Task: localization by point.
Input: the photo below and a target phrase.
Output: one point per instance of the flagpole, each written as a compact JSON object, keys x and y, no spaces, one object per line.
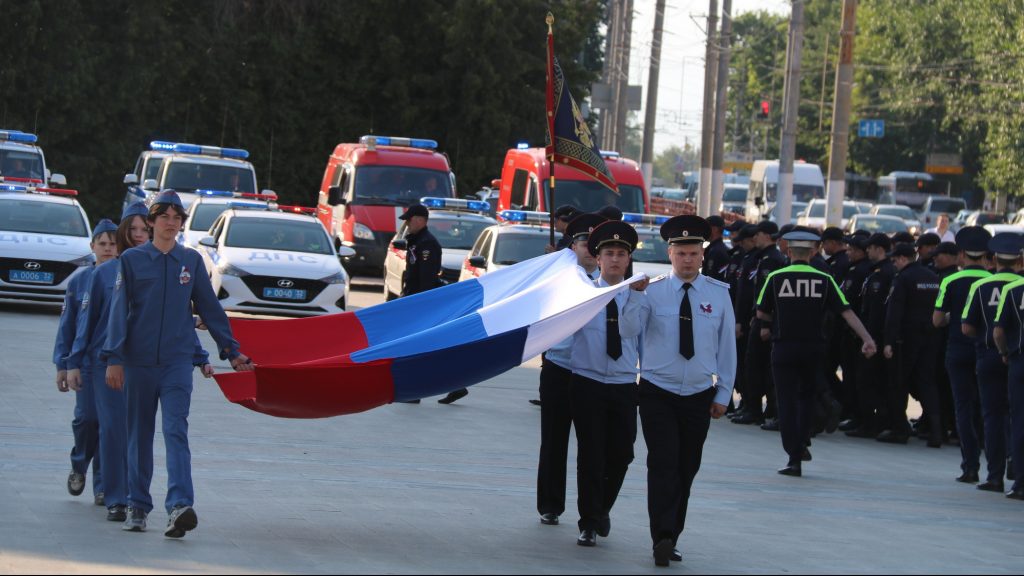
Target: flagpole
{"x":550,"y":19}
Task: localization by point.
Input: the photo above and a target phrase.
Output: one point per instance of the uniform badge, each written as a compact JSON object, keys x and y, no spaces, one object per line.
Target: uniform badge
{"x":117,"y":281}
{"x":705,"y":307}
{"x":185,"y":277}
{"x":426,"y":255}
{"x":85,"y":301}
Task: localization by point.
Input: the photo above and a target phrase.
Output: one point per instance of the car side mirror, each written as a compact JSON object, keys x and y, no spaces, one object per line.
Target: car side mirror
{"x":496,"y":183}
{"x":334,"y":197}
{"x":208,"y":241}
{"x":150,"y":184}
{"x":400,"y":244}
{"x":345,"y":252}
{"x":58,"y":180}
{"x":478,"y":262}
{"x":131,"y":179}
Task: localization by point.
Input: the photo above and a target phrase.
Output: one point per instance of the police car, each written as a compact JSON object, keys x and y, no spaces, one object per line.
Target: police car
{"x":651,"y":253}
{"x":456,"y":224}
{"x":212,"y":203}
{"x":21,"y":161}
{"x":524,"y":235}
{"x":275,"y":262}
{"x":186,"y":168}
{"x":44,"y":239}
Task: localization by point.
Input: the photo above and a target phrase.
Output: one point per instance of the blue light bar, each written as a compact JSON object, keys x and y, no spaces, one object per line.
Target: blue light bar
{"x":525,"y":216}
{"x":13,"y":188}
{"x":370,"y":140}
{"x":18,"y":136}
{"x":455,"y":204}
{"x":219,"y":193}
{"x":648,"y":219}
{"x":523,"y":146}
{"x":183,"y":148}
{"x":248,"y":205}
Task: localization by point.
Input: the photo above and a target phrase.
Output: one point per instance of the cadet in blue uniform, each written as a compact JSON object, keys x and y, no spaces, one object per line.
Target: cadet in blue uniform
{"x":978,"y":320}
{"x":792,"y":306}
{"x":555,"y":409}
{"x":716,"y":255}
{"x":1009,"y":338}
{"x":961,"y":357}
{"x":85,"y":426}
{"x":910,"y":345}
{"x":149,"y":351}
{"x":686,"y":379}
{"x":603,"y":391}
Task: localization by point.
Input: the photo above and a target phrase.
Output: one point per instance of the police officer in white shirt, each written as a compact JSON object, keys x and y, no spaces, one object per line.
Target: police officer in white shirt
{"x":687,"y":376}
{"x":602,"y":391}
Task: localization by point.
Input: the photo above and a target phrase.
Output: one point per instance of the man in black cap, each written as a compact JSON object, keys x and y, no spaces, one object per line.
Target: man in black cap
{"x":563,"y":215}
{"x":611,"y":212}
{"x":793,"y":306}
{"x":961,"y":358}
{"x":926,"y":244}
{"x":910,"y":345}
{"x":849,"y":358}
{"x":716,"y":255}
{"x":872,"y":377}
{"x":686,"y":379}
{"x":944,"y":261}
{"x":903,"y":237}
{"x":603,"y":391}
{"x":833,"y":244}
{"x":741,"y":280}
{"x":555,"y":374}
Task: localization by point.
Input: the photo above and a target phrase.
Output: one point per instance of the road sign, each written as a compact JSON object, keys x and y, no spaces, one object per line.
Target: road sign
{"x":871,"y":128}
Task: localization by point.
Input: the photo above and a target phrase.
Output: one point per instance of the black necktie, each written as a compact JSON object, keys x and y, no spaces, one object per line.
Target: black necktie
{"x":614,"y":342}
{"x":686,"y":324}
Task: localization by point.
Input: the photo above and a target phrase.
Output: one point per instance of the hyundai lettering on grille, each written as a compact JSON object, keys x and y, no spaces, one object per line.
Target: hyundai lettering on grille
{"x":284,"y":283}
{"x":33,"y":265}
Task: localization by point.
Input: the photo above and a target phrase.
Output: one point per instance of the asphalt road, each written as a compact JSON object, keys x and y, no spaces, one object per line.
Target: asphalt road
{"x":451,"y":489}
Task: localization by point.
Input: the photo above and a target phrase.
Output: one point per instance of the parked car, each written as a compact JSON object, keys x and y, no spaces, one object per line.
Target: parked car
{"x":814,"y":215}
{"x":900,"y":211}
{"x":982,"y":218}
{"x":734,"y":198}
{"x":876,"y":223}
{"x":936,"y":205}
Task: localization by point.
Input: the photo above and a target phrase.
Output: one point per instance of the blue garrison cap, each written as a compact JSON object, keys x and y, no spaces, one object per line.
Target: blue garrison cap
{"x":169,"y":197}
{"x":135,"y":209}
{"x":103,"y":226}
{"x":973,"y":240}
{"x":1006,"y":245}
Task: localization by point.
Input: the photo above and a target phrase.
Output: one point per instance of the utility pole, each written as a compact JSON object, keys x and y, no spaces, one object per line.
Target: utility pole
{"x":718,"y":156}
{"x":787,"y":152}
{"x":841,"y":118}
{"x":650,"y":114}
{"x":607,"y":124}
{"x":824,"y":71}
{"x":622,"y":102}
{"x":707,"y":130}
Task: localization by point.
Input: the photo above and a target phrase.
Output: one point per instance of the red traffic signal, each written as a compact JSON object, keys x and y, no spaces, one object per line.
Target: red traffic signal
{"x":766,"y":108}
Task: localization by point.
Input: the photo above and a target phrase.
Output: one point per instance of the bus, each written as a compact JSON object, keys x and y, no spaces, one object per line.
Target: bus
{"x":910,"y":188}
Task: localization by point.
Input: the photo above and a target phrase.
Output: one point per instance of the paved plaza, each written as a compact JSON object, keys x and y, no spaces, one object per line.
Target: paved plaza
{"x":451,"y":489}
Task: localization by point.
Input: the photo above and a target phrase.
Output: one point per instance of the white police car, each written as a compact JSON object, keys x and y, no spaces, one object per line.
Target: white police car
{"x":274,"y":263}
{"x":524,"y":235}
{"x":651,"y":253}
{"x":21,"y":161}
{"x":186,"y":168}
{"x":456,"y":224}
{"x":212,"y":203}
{"x":44,"y":239}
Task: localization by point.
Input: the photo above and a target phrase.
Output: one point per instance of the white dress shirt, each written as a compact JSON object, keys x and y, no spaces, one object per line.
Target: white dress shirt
{"x":590,"y":357}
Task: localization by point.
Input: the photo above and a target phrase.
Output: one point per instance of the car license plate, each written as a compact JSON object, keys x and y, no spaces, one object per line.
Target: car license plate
{"x":284,"y":293}
{"x":32,"y":276}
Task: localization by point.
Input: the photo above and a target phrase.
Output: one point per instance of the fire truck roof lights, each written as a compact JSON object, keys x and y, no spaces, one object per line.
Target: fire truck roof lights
{"x":183,"y":148}
{"x":371,"y":141}
{"x":646,"y":219}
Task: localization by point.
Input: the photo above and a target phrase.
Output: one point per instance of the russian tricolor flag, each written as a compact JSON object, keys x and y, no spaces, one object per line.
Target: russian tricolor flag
{"x":424,"y":345}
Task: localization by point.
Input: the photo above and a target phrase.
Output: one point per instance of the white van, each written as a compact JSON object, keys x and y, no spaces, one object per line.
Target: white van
{"x":808,"y":184}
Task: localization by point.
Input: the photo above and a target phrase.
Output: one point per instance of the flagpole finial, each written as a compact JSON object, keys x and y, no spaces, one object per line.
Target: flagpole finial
{"x":550,"y":19}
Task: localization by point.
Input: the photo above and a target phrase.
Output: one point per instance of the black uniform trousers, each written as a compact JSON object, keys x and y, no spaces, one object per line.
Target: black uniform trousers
{"x":995,"y":410}
{"x":913,"y":367}
{"x":605,"y":420}
{"x":758,"y":383}
{"x":961,"y":365}
{"x":555,"y":426}
{"x":1015,"y":387}
{"x":872,"y":383}
{"x":741,"y":367}
{"x":675,"y":428}
{"x":796,"y":368}
{"x":849,"y":360}
{"x":944,"y":387}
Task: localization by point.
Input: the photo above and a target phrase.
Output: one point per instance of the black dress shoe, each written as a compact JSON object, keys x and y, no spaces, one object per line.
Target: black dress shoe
{"x":806,"y":456}
{"x":747,"y":419}
{"x":117,"y":513}
{"x":862,"y":433}
{"x":847,"y":425}
{"x":676,"y":556}
{"x":1016,"y":494}
{"x":968,"y":478}
{"x":408,"y":401}
{"x":604,"y":527}
{"x":453,"y":396}
{"x":934,"y":442}
{"x":549,"y":519}
{"x":663,"y":552}
{"x":890,"y":437}
{"x":835,"y":411}
{"x":535,"y":402}
{"x":791,"y":470}
{"x":771,"y":425}
{"x":989,"y":486}
{"x":587,"y":538}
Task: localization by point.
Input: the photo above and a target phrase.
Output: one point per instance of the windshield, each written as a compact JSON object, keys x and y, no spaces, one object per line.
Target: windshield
{"x":42,"y":218}
{"x":734,"y":195}
{"x":880,"y":225}
{"x":457,"y":233}
{"x":988,"y":218}
{"x":278,"y":234}
{"x":192,"y":176}
{"x":950,"y":205}
{"x":652,"y":248}
{"x":514,"y":248}
{"x":801,"y":192}
{"x":591,"y":196}
{"x":899,"y":211}
{"x":818,"y":210}
{"x":21,"y":164}
{"x":399,"y":185}
{"x":205,"y":215}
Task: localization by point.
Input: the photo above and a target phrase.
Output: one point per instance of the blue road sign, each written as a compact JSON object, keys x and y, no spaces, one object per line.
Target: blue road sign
{"x":871,"y":128}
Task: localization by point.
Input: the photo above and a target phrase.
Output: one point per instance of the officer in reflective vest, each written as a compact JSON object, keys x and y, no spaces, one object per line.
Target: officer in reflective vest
{"x":1009,"y":338}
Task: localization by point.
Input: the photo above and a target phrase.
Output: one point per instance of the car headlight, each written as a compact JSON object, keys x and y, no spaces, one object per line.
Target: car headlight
{"x":339,"y":278}
{"x":362,"y":232}
{"x":87,"y":260}
{"x":231,"y":270}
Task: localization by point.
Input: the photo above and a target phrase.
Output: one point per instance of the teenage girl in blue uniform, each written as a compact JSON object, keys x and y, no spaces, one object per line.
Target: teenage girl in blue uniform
{"x":85,"y":425}
{"x":149,"y":352}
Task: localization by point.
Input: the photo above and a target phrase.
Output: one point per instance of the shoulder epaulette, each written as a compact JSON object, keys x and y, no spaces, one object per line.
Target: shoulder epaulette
{"x":718,"y":283}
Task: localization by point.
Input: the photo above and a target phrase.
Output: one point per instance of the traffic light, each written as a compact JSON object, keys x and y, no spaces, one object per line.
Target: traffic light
{"x":766,"y":108}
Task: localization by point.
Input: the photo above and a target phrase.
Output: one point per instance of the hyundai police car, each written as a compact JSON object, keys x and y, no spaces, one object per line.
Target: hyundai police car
{"x":270,"y":262}
{"x":212,"y":203}
{"x":455,"y":223}
{"x":186,"y":168}
{"x":44,"y":239}
{"x":21,"y":161}
{"x":524,"y":235}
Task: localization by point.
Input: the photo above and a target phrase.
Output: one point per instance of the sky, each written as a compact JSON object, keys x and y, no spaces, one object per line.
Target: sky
{"x":681,"y":77}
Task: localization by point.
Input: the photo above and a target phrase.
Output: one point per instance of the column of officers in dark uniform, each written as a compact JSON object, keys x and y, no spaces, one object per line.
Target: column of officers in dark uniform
{"x":945,"y":318}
